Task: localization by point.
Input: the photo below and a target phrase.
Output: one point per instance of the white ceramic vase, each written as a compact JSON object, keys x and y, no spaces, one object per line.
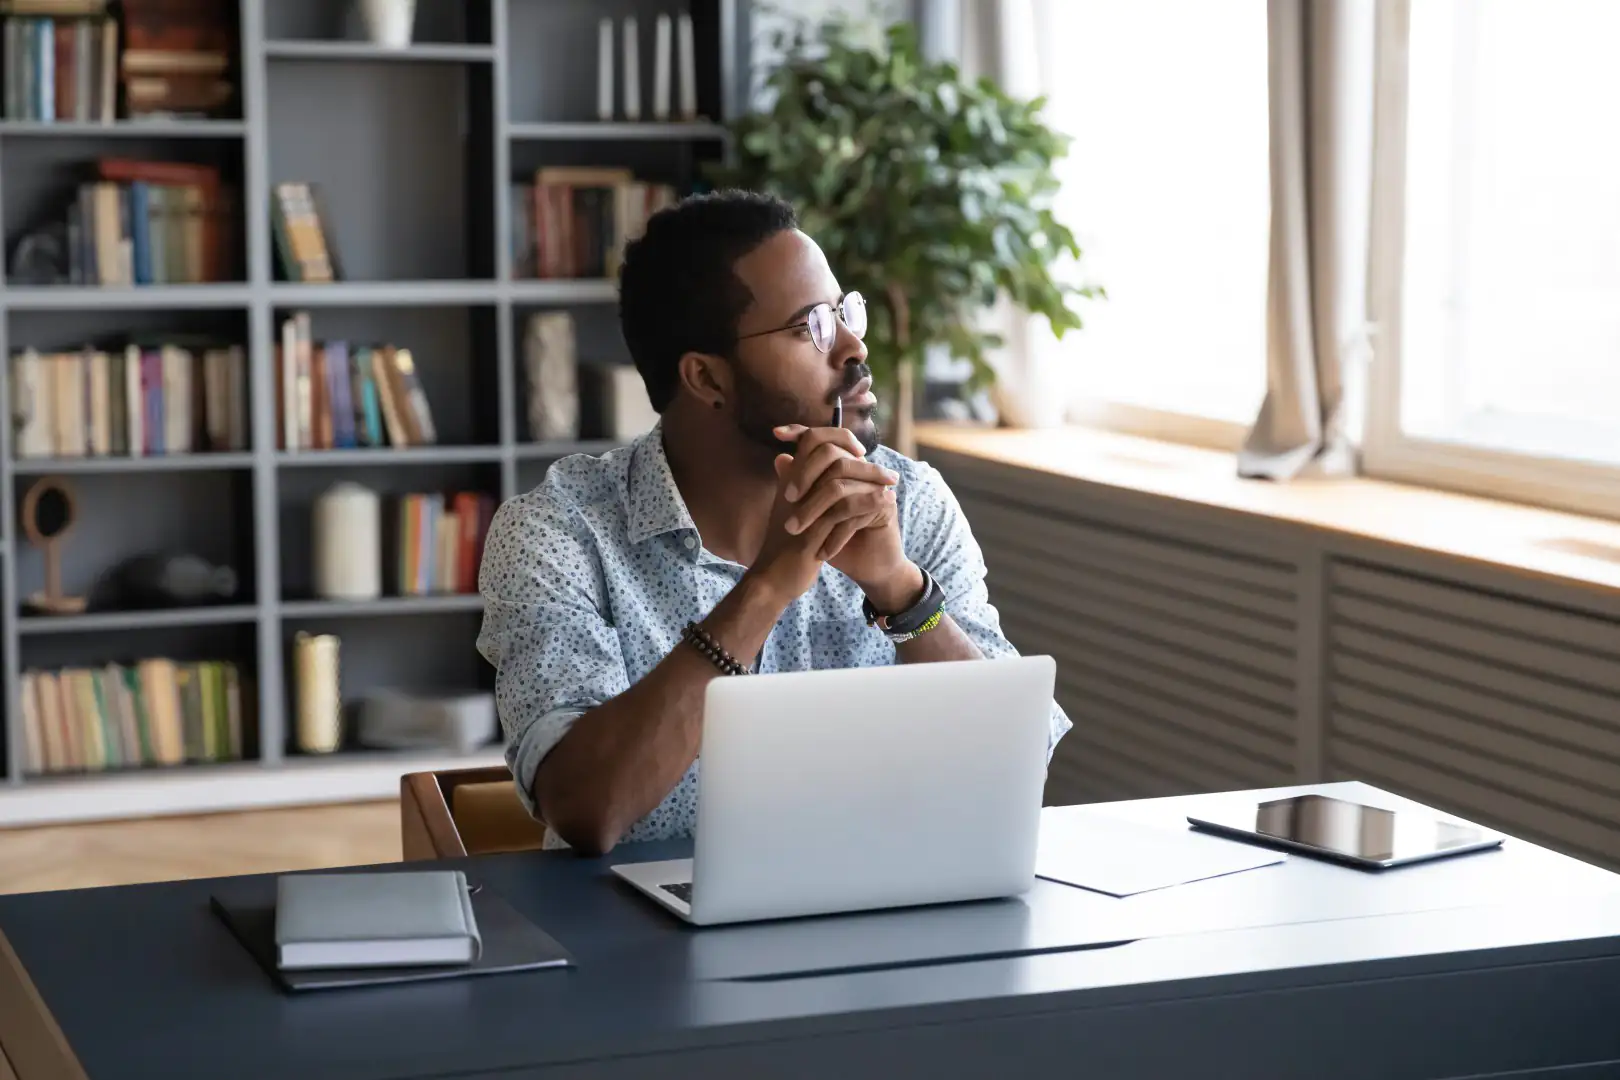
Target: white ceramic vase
{"x":347,"y":531}
{"x":389,"y":22}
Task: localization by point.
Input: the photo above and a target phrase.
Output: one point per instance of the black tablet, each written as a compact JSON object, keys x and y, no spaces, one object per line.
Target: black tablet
{"x":1368,"y":837}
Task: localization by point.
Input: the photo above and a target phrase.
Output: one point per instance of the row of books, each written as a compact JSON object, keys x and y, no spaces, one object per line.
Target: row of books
{"x":68,"y":59}
{"x":135,"y":222}
{"x":334,"y":394}
{"x":573,"y":222}
{"x":153,"y":711}
{"x":441,"y":541}
{"x":61,"y":66}
{"x":146,"y":399}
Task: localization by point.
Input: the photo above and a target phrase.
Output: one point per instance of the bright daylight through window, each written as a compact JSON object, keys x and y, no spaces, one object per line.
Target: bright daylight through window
{"x":1166,"y":186}
{"x":1509,"y":336}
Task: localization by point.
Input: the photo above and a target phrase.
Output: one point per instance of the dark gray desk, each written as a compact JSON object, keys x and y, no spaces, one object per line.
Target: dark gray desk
{"x":1504,"y":964}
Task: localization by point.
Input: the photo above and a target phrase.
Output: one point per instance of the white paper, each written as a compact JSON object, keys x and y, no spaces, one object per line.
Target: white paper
{"x":1122,"y":858}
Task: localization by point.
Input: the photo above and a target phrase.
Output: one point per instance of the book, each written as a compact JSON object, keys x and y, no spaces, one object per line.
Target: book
{"x":375,"y":920}
{"x":509,"y":941}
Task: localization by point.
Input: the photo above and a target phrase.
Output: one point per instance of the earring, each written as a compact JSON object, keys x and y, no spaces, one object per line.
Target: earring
{"x":719,"y":404}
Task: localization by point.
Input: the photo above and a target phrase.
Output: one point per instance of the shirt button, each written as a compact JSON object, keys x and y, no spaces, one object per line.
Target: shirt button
{"x":690,"y":543}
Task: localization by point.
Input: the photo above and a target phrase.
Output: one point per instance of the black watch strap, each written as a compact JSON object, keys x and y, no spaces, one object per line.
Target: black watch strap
{"x":918,"y":619}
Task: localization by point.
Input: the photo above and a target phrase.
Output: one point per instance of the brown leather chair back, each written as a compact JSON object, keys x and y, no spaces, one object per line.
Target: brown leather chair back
{"x":463,"y":812}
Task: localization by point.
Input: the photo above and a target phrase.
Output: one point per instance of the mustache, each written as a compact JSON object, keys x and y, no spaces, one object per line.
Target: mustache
{"x":853,"y":373}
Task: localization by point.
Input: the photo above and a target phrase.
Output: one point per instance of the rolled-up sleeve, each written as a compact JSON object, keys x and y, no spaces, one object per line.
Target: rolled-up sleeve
{"x":554,"y":652}
{"x":937,"y":537}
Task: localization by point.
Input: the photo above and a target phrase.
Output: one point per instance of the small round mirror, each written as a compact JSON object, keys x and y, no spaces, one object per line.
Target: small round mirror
{"x":48,"y":511}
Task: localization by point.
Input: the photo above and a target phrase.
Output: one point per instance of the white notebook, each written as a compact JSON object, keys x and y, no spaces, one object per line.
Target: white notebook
{"x":379,"y":919}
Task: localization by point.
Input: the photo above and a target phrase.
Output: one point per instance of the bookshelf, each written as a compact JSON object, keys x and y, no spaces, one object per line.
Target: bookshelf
{"x":417,"y":152}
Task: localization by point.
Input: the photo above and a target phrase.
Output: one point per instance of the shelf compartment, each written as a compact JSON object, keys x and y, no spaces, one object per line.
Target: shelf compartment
{"x":123,"y":515}
{"x":453,"y":354}
{"x":322,"y":22}
{"x":43,"y":185}
{"x":73,"y":752}
{"x":398,"y":172}
{"x":402,"y":654}
{"x":300,"y":488}
{"x":564,"y":88}
{"x":201,"y":332}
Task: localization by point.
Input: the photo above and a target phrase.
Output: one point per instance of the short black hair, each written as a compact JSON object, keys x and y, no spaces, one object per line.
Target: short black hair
{"x":677,"y":289}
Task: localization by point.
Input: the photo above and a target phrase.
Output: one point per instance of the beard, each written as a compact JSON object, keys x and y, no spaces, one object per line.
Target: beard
{"x":760,"y":410}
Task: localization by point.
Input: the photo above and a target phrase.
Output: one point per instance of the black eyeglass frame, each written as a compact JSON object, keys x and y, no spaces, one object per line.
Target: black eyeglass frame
{"x":841,"y":308}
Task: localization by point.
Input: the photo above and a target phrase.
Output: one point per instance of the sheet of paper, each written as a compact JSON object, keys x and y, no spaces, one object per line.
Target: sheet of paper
{"x":1122,"y":858}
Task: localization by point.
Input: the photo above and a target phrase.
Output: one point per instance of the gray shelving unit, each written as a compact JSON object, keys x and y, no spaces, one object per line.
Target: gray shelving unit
{"x":416,"y":150}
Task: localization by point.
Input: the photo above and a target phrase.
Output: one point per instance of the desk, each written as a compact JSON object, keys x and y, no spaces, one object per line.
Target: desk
{"x":1485,"y":965}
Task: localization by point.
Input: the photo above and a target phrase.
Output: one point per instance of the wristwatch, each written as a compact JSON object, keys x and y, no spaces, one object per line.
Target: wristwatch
{"x":916,"y":620}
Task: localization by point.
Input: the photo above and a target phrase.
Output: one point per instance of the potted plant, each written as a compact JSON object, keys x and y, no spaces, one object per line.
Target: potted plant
{"x":930,"y":193}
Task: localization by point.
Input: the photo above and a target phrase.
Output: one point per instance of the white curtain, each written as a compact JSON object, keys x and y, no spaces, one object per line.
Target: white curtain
{"x":1318,"y":340}
{"x":1002,"y":40}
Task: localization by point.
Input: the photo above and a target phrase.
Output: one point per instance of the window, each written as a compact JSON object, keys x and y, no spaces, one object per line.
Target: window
{"x":1167,"y":188}
{"x":1499,"y":368}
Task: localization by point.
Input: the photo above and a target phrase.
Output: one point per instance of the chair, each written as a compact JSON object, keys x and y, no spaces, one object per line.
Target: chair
{"x":446,"y":815}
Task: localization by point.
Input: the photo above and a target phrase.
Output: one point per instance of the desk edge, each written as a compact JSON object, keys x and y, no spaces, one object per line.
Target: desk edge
{"x":30,"y":1038}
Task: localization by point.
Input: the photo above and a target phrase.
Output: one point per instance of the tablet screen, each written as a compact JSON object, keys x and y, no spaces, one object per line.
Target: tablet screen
{"x":1356,"y":830}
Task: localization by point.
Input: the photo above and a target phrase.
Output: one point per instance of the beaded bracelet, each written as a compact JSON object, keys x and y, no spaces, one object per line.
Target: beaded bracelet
{"x":703,"y":642}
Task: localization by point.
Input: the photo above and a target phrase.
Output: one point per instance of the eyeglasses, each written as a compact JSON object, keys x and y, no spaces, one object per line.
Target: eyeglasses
{"x":851,"y":310}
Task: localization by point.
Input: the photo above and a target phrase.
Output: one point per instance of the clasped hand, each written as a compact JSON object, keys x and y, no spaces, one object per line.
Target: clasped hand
{"x":832,"y":506}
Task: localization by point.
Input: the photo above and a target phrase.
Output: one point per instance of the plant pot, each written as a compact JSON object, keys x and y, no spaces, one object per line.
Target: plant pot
{"x":389,"y":23}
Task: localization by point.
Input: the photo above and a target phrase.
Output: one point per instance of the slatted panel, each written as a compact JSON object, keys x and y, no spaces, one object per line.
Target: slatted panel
{"x":1489,"y":706}
{"x":1176,"y":659}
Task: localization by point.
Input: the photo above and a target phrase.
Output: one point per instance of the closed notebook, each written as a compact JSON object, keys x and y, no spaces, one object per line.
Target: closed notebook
{"x":508,"y":941}
{"x":385,"y":919}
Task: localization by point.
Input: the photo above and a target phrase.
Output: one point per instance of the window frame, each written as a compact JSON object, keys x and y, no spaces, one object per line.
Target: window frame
{"x":1161,"y":425}
{"x":1387,"y":452}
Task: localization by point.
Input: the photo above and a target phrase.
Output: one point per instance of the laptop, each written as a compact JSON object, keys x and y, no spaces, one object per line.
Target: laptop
{"x":855,"y":789}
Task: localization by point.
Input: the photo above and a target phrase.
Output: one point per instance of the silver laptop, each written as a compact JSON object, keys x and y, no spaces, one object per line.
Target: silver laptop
{"x":863,"y":788}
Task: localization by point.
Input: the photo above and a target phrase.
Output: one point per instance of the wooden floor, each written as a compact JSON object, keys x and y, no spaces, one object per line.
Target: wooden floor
{"x":166,"y":849}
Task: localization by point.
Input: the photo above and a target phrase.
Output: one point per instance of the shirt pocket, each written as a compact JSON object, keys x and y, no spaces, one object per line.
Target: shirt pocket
{"x":845,"y":642}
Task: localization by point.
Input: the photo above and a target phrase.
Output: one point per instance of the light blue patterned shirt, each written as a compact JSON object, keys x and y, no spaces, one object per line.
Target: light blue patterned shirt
{"x":589,"y":579}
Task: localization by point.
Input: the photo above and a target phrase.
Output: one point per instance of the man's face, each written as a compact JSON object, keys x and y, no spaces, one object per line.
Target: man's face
{"x":782,"y":377}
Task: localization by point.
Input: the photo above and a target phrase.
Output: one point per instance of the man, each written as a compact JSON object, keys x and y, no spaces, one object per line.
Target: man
{"x":745,"y":532}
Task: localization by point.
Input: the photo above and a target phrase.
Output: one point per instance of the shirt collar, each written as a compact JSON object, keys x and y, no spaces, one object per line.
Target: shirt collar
{"x":656,"y":506}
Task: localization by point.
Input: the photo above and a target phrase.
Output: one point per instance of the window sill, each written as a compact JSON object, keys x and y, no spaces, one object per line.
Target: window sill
{"x":1563,"y":547}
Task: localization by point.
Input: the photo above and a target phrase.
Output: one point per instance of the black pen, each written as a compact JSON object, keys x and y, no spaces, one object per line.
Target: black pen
{"x":838,"y":413}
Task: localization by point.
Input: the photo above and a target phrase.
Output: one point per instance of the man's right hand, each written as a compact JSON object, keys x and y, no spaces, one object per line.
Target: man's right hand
{"x":825,"y":483}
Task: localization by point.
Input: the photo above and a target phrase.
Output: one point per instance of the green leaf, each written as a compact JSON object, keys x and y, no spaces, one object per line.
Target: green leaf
{"x":909,"y":175}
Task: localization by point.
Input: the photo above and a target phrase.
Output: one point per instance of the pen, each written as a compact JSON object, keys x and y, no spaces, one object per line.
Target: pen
{"x":838,"y":413}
